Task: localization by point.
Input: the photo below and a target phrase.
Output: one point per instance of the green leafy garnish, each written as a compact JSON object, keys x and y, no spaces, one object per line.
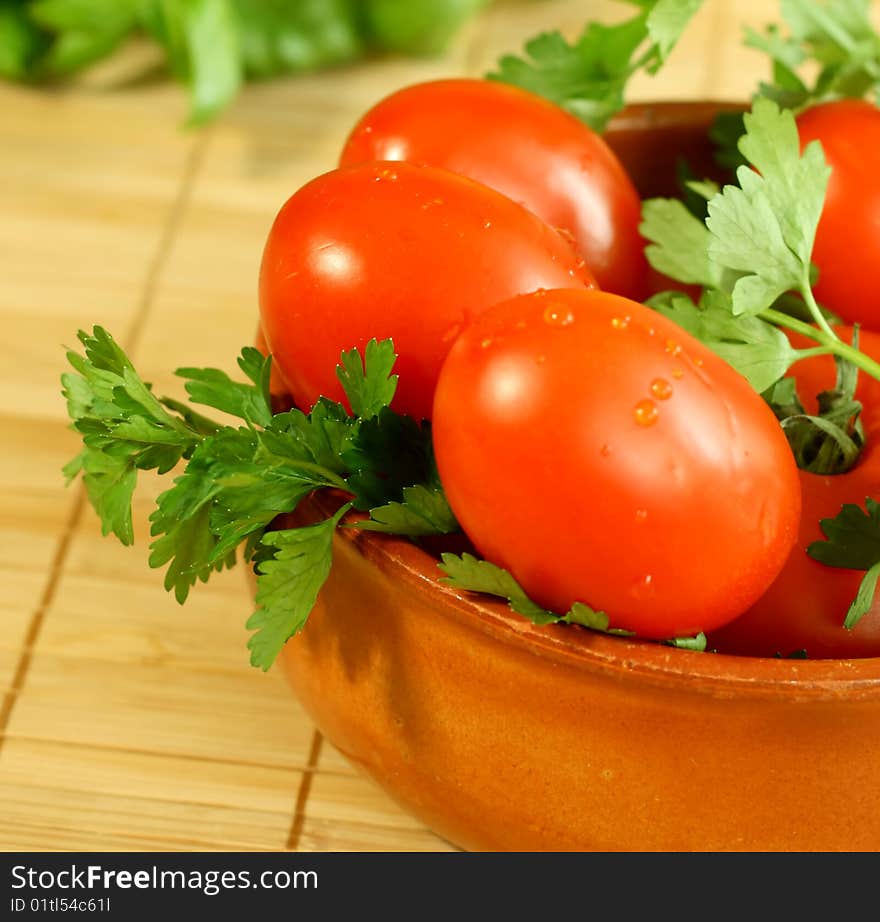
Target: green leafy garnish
{"x":759,"y":351}
{"x":423,"y":510}
{"x":678,"y":243}
{"x":589,"y":76}
{"x":288,"y":585}
{"x":467,"y":572}
{"x":214,"y":46}
{"x":853,"y":542}
{"x":764,"y":229}
{"x":834,"y":40}
{"x":368,"y":395}
{"x":474,"y":575}
{"x":238,"y":479}
{"x":828,"y":49}
{"x":752,"y":255}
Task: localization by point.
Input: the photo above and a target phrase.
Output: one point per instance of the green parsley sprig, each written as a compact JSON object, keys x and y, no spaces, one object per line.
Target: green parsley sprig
{"x":821,"y":51}
{"x":467,"y":572}
{"x":753,"y":249}
{"x":835,"y":39}
{"x":588,"y":77}
{"x":852,"y":541}
{"x":237,"y":479}
{"x":214,"y":46}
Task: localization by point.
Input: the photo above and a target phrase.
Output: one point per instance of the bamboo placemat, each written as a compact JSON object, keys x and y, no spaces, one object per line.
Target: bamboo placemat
{"x":128,"y":723}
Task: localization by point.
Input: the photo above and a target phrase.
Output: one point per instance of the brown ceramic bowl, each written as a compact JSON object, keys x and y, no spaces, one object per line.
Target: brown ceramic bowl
{"x":504,"y":736}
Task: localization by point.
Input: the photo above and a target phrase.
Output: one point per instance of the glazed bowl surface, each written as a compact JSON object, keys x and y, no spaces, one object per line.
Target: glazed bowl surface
{"x":503,"y":736}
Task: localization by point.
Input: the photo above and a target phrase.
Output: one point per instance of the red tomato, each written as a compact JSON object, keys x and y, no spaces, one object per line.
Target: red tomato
{"x":602,"y":454}
{"x":805,"y":607}
{"x":847,"y":250}
{"x":526,"y":147}
{"x":402,"y":251}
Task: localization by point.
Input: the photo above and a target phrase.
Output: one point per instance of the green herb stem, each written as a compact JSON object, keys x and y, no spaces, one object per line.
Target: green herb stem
{"x":813,"y":307}
{"x":325,"y":475}
{"x":829,"y":342}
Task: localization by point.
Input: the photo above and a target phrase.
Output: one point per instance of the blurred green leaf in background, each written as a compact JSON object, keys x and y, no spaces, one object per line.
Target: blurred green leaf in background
{"x":213,"y":46}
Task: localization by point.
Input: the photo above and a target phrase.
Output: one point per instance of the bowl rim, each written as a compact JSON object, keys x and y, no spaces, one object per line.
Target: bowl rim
{"x":723,"y":675}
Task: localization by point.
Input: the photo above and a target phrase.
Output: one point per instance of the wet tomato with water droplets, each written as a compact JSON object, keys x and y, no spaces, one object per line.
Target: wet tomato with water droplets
{"x":526,"y":147}
{"x":396,"y":250}
{"x":605,"y":456}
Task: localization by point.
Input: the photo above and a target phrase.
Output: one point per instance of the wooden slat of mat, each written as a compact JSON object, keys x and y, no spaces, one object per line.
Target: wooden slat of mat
{"x":121,"y":793}
{"x":348,"y":811}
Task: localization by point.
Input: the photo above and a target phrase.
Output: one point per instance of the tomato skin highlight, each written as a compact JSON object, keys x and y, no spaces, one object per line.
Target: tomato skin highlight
{"x":805,"y":607}
{"x":525,"y":147}
{"x":395,"y":250}
{"x":847,"y":248}
{"x":603,"y":455}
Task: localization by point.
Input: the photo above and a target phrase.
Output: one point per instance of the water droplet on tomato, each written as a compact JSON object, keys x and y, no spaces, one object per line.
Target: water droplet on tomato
{"x":643,"y":588}
{"x":677,"y":373}
{"x":620,"y":323}
{"x":486,"y":342}
{"x":645,"y":412}
{"x":558,"y":317}
{"x":487,"y":225}
{"x":661,"y":388}
{"x":672,"y":347}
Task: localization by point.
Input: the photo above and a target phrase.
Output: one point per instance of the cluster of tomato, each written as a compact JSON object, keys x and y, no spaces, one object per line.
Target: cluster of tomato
{"x":584,"y":442}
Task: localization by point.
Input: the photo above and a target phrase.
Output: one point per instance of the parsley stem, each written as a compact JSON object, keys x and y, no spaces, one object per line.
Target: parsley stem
{"x":810,"y":301}
{"x":328,"y":477}
{"x":828,"y":341}
{"x":817,"y":350}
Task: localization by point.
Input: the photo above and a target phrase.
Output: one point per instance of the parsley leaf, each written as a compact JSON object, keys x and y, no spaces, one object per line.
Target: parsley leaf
{"x":678,"y":243}
{"x":288,"y":584}
{"x":82,"y":32}
{"x":368,"y":383}
{"x":753,"y":257}
{"x":214,"y":388}
{"x":423,"y":510}
{"x":764,"y":229}
{"x":589,"y":76}
{"x":124,"y":429}
{"x":237,"y":480}
{"x":852,"y":537}
{"x":475,"y":575}
{"x":853,"y":542}
{"x":213,"y":46}
{"x":472,"y":574}
{"x":834,"y":40}
{"x":667,"y":20}
{"x":759,"y":351}
{"x":388,"y":452}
